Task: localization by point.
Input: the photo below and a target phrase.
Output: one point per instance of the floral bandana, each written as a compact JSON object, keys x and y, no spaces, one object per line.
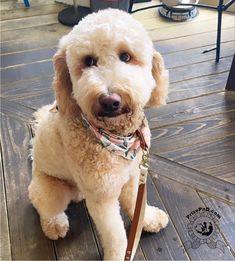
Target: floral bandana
{"x":126,"y":147}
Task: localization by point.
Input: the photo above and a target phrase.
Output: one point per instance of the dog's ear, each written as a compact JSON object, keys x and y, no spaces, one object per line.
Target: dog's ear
{"x":62,"y":84}
{"x":161,"y":77}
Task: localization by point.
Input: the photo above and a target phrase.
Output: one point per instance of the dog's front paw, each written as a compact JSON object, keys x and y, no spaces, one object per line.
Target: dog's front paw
{"x":155,"y":219}
{"x":55,"y":227}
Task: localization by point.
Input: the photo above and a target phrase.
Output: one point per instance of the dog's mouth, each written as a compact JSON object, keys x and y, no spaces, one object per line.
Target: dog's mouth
{"x":114,"y":113}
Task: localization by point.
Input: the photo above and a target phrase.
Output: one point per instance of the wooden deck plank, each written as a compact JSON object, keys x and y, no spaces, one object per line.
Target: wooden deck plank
{"x":27,"y":57}
{"x":25,"y":88}
{"x":177,"y":30}
{"x":28,"y":22}
{"x":179,"y":201}
{"x":27,"y":239}
{"x":11,"y":4}
{"x":202,"y":156}
{"x":192,"y":56}
{"x":21,"y":45}
{"x":5,"y":244}
{"x":32,"y":11}
{"x":16,"y":111}
{"x":199,"y":69}
{"x":227,"y":221}
{"x":152,"y":23}
{"x":55,"y":30}
{"x":192,"y":41}
{"x":196,"y":87}
{"x":191,"y":109}
{"x":225,"y":171}
{"x":32,"y":70}
{"x":203,"y":130}
{"x":192,"y":178}
{"x":35,"y":101}
{"x":79,"y":243}
{"x":165,"y":245}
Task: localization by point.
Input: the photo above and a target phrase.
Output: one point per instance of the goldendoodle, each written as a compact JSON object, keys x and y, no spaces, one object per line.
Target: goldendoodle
{"x":106,"y":73}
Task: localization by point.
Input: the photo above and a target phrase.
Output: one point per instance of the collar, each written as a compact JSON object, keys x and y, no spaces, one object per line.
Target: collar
{"x":126,"y":147}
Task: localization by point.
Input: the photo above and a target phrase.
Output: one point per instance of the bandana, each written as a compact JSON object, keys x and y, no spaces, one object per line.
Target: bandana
{"x":126,"y":147}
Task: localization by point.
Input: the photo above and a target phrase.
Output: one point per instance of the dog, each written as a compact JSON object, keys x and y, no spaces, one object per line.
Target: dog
{"x":106,"y":73}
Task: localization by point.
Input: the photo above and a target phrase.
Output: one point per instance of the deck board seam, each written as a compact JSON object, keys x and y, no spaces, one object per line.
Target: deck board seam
{"x":197,"y":186}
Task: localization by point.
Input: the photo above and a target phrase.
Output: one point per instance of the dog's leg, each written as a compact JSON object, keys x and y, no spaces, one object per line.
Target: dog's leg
{"x":154,"y":218}
{"x":106,"y":215}
{"x":51,"y":196}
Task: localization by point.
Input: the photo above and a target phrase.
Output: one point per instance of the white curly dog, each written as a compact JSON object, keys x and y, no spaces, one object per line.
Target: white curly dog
{"x":106,"y":72}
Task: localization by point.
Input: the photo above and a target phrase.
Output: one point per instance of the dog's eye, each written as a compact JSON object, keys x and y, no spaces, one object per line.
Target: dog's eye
{"x":90,"y":61}
{"x":125,"y":57}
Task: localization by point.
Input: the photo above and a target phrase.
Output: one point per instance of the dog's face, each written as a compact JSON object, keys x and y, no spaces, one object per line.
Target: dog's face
{"x":109,"y":58}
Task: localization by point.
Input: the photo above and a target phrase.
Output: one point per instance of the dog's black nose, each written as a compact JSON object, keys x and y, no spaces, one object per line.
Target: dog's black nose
{"x":110,"y":103}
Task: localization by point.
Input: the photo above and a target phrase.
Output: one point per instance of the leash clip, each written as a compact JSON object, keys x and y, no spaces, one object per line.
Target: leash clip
{"x":144,"y":166}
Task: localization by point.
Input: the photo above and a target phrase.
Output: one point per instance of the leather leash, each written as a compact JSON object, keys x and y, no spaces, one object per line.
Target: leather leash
{"x":138,"y":218}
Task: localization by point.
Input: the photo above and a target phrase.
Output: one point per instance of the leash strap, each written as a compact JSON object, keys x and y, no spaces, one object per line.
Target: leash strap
{"x":138,"y":218}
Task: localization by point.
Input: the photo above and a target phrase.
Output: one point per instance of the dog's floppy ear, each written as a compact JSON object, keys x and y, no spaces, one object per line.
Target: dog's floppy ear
{"x":161,"y":77}
{"x":62,"y":84}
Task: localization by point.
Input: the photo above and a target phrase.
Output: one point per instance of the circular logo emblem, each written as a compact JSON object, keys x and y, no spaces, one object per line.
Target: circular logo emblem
{"x":203,"y":228}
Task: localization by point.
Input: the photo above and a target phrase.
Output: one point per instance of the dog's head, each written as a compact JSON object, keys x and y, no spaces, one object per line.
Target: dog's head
{"x":107,"y":67}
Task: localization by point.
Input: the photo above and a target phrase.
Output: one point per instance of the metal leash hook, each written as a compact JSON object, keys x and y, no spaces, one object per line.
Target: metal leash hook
{"x":144,"y":166}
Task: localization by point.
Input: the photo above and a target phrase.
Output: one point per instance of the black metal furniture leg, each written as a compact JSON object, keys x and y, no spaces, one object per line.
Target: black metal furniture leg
{"x":219,"y":25}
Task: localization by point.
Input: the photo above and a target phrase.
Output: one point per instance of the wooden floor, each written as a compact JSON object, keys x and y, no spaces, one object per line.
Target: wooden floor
{"x":193,"y":137}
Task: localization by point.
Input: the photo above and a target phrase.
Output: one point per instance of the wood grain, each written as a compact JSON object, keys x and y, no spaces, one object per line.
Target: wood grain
{"x":32,"y":11}
{"x":27,"y":71}
{"x":17,"y":111}
{"x":79,"y":243}
{"x":27,"y":239}
{"x":165,"y":245}
{"x":192,"y":56}
{"x":202,"y":156}
{"x":191,"y":71}
{"x":9,"y":5}
{"x":5,"y":244}
{"x":192,"y":178}
{"x":179,"y":201}
{"x":225,"y":171}
{"x":175,"y":31}
{"x":191,"y":109}
{"x":28,"y":22}
{"x":192,"y":41}
{"x":27,"y":57}
{"x":203,"y":130}
{"x":55,"y":30}
{"x":26,"y":87}
{"x":197,"y":87}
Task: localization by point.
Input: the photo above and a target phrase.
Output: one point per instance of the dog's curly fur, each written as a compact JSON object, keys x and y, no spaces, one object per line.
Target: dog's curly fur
{"x":68,"y":162}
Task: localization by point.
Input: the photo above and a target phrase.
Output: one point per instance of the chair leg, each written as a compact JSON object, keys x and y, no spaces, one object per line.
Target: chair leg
{"x":230,"y":86}
{"x":220,"y":12}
